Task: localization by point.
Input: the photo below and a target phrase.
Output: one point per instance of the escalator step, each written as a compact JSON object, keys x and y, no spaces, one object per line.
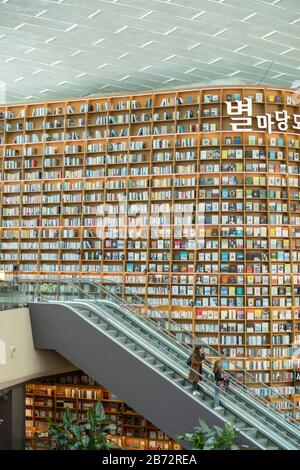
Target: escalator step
{"x":263,"y":442}
{"x":252,"y":431}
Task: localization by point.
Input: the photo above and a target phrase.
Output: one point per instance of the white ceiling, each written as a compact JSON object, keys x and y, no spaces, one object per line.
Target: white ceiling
{"x":69,"y":48}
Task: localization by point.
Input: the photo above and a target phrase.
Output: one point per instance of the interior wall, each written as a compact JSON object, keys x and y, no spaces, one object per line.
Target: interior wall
{"x":19,"y":361}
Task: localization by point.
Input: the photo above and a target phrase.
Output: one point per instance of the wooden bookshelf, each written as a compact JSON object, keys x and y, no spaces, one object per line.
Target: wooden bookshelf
{"x":157,"y":192}
{"x":78,"y":392}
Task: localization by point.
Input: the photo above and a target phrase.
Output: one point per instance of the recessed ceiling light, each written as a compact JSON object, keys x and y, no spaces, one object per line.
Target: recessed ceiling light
{"x":41,"y":13}
{"x":146,"y":14}
{"x":56,"y":63}
{"x":71,"y":27}
{"x":94,"y":14}
{"x":101,"y":66}
{"x":124,"y":78}
{"x":170,"y":31}
{"x":76,"y":53}
{"x":248,"y":17}
{"x":194,"y":45}
{"x":37,"y":71}
{"x":147,"y":44}
{"x":268,"y":34}
{"x":234,"y":73}
{"x":20,"y":26}
{"x":44,"y":91}
{"x":145,"y":68}
{"x":49,"y":40}
{"x":198,"y":14}
{"x":240,"y":48}
{"x":123,"y":55}
{"x":9,"y":59}
{"x":169,"y":80}
{"x":28,"y":97}
{"x":30,"y":50}
{"x":62,"y":83}
{"x":82,"y":74}
{"x":190,"y":70}
{"x":121,"y":29}
{"x":214,"y":60}
{"x":19,"y":79}
{"x":97,"y":42}
{"x":260,"y":62}
{"x":2,"y":36}
{"x":220,"y":32}
{"x":278,"y":75}
{"x":169,"y":57}
{"x":287,"y":51}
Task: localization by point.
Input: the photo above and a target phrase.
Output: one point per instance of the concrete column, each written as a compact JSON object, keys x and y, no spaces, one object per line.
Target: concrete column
{"x":12,"y":412}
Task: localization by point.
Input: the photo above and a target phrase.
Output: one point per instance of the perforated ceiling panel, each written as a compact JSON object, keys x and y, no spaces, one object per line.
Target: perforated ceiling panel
{"x":67,"y":48}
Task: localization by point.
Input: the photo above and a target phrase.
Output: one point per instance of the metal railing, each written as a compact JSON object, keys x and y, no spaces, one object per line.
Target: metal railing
{"x":123,"y":296}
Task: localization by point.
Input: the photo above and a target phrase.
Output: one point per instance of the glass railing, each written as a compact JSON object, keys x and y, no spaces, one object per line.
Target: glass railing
{"x":22,"y":291}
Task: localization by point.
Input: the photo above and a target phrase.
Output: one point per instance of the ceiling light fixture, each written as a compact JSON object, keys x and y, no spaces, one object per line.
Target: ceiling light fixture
{"x":287,"y":51}
{"x":198,"y":14}
{"x":169,"y":57}
{"x":123,"y":55}
{"x":220,"y":32}
{"x":71,"y":27}
{"x":94,"y":14}
{"x":76,"y":53}
{"x":101,"y":66}
{"x":19,"y":26}
{"x":124,"y":78}
{"x":268,"y":34}
{"x":41,"y":13}
{"x":121,"y":29}
{"x":240,"y":48}
{"x":30,"y":50}
{"x":193,"y":46}
{"x":248,"y":17}
{"x":146,"y":14}
{"x":97,"y":42}
{"x":170,"y":31}
{"x":147,"y":44}
{"x":49,"y":40}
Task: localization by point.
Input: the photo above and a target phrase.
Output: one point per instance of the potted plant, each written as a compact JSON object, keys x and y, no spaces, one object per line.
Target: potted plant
{"x":203,"y":437}
{"x":87,"y":434}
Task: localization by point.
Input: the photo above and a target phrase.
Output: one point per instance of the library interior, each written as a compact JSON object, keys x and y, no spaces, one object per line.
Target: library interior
{"x":149,"y":207}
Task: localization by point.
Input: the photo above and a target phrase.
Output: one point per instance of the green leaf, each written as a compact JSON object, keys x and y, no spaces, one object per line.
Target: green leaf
{"x":99,"y":410}
{"x":75,"y":430}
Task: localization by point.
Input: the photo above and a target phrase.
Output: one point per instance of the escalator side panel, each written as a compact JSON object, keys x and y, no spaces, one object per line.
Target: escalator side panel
{"x":59,"y":328}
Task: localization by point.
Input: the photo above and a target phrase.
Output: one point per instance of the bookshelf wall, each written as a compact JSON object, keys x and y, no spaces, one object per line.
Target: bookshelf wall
{"x":158,"y":193}
{"x":78,"y":392}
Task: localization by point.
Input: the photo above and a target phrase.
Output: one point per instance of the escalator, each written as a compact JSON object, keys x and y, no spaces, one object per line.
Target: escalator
{"x":134,"y":356}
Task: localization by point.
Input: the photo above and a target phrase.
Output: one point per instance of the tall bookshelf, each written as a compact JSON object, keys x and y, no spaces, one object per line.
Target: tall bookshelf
{"x":157,"y":192}
{"x":78,"y":392}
